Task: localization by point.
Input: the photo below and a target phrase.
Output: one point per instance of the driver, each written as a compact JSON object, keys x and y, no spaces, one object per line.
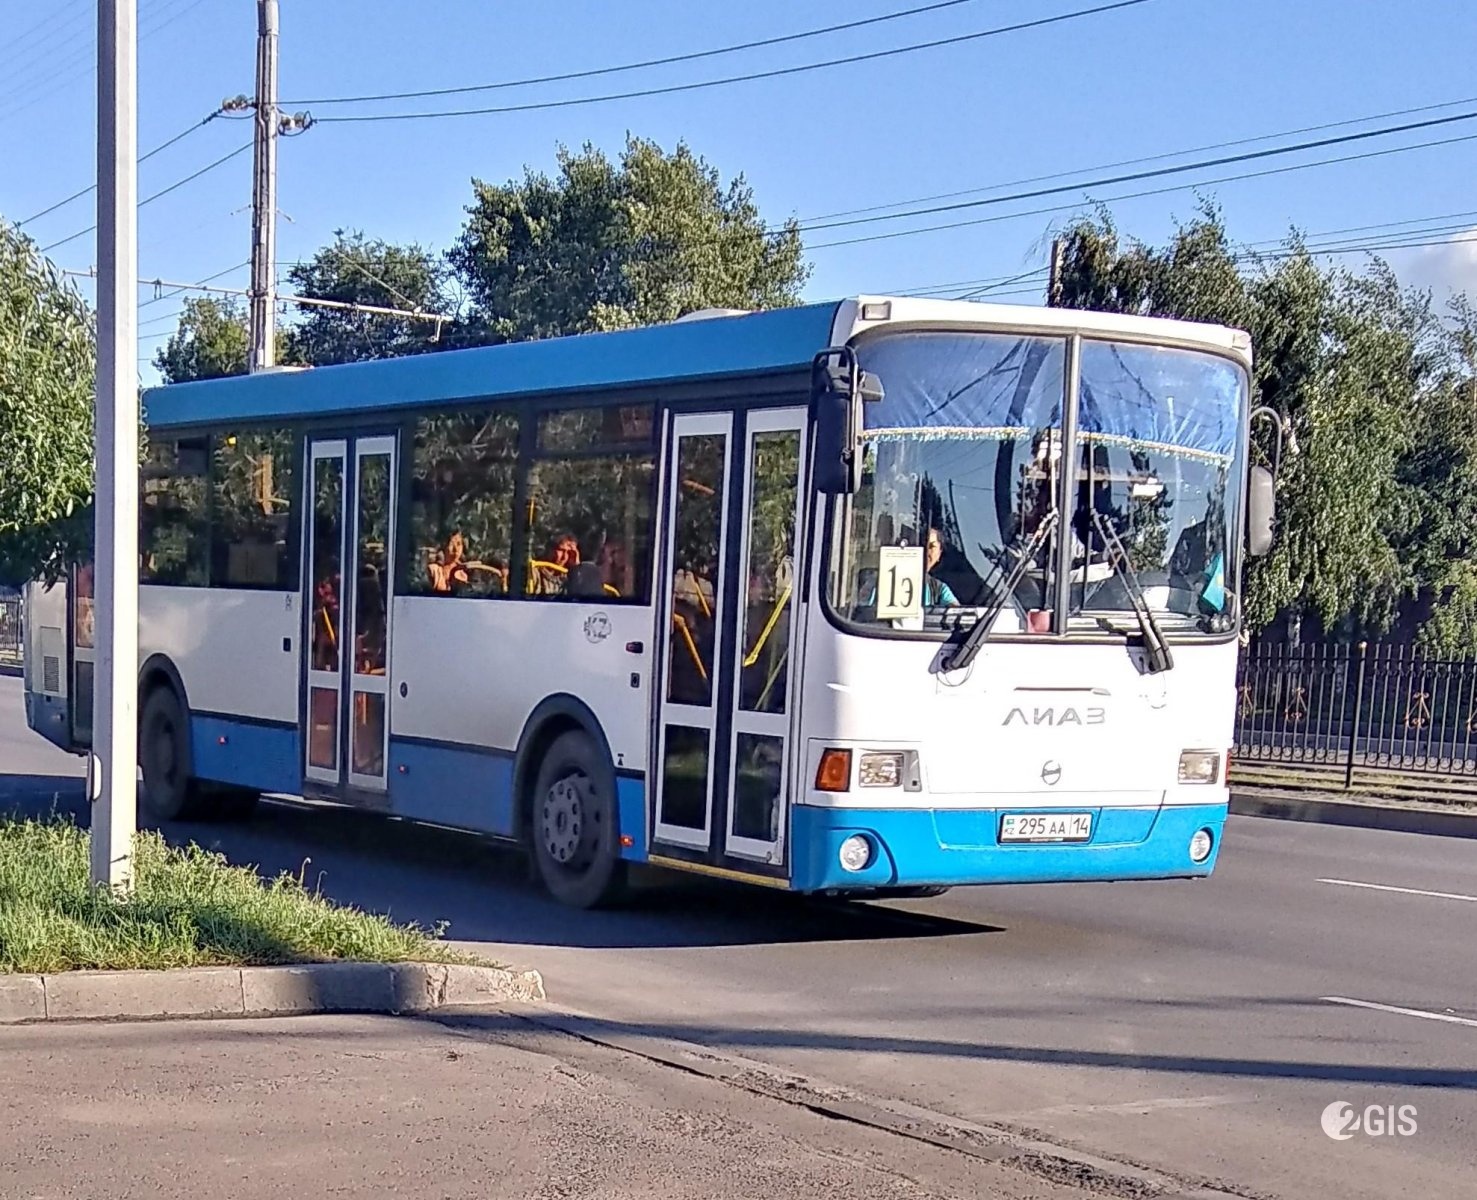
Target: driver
{"x":936,"y":593}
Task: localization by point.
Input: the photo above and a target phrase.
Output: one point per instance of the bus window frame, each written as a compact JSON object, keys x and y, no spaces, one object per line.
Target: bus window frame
{"x":1070,"y":410}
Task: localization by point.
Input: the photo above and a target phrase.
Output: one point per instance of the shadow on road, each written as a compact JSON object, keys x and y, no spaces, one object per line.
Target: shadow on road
{"x":741,"y":1038}
{"x":482,"y":892}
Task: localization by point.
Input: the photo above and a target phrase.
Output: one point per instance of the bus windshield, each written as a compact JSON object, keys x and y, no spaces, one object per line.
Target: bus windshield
{"x":964,"y":494}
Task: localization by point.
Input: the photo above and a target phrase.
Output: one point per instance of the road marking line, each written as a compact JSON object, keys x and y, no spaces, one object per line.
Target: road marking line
{"x":1385,"y":887}
{"x":1404,"y":1012}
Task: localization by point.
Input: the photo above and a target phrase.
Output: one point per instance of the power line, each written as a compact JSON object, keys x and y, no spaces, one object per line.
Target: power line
{"x":776,"y":73}
{"x":1133,"y":162}
{"x":1178,"y":187}
{"x":1156,"y":173}
{"x":41,"y":78}
{"x":157,"y":195}
{"x":1314,"y":243}
{"x":92,"y":187}
{"x":635,"y":66}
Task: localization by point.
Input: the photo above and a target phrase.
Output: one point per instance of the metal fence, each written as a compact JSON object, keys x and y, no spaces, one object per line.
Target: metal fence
{"x":10,"y":630}
{"x":1341,"y":710}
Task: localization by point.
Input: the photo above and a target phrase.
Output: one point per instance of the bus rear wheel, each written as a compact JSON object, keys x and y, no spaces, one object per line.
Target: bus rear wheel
{"x":171,"y":791}
{"x":573,"y":826}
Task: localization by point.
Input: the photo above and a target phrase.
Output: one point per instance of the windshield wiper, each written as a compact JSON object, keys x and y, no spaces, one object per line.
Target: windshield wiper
{"x":964,"y":653}
{"x":1156,"y":650}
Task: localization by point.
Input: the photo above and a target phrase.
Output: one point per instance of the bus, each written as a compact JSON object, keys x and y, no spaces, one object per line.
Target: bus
{"x":874,"y":597}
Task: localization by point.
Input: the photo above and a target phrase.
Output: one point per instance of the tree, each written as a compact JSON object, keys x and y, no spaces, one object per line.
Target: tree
{"x":353,"y":270}
{"x":1384,"y":490}
{"x":613,"y":245}
{"x":46,"y":398}
{"x":211,"y":342}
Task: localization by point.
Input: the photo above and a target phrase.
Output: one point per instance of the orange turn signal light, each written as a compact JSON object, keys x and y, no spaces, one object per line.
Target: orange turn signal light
{"x":627,"y":841}
{"x":834,"y":773}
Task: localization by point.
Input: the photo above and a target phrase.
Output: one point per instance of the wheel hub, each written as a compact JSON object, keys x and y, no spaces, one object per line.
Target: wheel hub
{"x":564,"y":819}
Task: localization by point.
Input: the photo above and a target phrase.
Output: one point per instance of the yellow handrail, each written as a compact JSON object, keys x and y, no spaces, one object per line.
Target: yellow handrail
{"x":753,"y":656}
{"x":697,"y":660}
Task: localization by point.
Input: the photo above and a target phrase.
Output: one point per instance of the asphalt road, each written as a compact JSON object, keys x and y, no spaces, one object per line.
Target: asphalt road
{"x":1200,"y":1028}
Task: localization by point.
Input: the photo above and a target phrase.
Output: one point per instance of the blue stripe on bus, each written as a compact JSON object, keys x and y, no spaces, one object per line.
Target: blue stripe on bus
{"x":908,"y":848}
{"x":470,"y":789}
{"x":755,"y":344}
{"x":254,"y":754}
{"x":631,"y":816}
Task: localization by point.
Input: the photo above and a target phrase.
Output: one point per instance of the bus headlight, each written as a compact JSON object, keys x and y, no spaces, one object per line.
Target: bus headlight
{"x":880,"y":770}
{"x":856,"y":853}
{"x":1200,"y":766}
{"x":1200,"y":845}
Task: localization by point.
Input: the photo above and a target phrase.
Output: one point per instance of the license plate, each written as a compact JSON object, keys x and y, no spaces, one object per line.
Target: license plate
{"x":1046,"y":827}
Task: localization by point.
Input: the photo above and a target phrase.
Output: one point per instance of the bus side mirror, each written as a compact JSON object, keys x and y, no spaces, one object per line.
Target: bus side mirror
{"x":838,"y":390}
{"x":1261,"y":512}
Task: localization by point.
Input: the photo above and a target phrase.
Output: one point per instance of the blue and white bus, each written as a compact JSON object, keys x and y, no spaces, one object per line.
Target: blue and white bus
{"x":873,"y":597}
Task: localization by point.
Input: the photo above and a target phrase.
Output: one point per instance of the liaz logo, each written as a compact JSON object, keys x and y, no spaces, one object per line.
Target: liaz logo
{"x":1056,"y":717}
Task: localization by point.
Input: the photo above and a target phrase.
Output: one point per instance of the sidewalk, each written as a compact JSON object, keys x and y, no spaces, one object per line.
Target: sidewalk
{"x":377,"y":1106}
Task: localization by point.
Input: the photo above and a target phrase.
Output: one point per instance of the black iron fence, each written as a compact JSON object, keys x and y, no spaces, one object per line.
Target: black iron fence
{"x":1340,"y":710}
{"x":10,"y":630}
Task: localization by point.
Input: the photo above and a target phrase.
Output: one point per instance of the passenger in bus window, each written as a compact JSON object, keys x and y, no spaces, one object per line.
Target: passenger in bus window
{"x":550,"y":576}
{"x":448,"y":568}
{"x":614,"y":569}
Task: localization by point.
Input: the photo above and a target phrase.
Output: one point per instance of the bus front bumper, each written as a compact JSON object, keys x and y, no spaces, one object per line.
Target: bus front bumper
{"x":920,"y":846}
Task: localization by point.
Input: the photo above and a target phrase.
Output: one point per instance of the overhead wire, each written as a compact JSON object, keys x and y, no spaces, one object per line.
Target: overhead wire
{"x":1156,"y":173}
{"x":42,"y":78}
{"x":225,"y":158}
{"x":669,"y":60}
{"x":1133,"y":162}
{"x":1162,"y":191}
{"x":92,"y":187}
{"x":775,"y":73}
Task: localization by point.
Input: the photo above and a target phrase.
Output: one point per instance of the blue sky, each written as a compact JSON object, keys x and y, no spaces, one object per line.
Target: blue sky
{"x":1163,"y":76}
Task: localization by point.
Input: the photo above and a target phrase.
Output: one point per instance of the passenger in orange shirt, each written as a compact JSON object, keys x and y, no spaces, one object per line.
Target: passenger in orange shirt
{"x":449,"y":574}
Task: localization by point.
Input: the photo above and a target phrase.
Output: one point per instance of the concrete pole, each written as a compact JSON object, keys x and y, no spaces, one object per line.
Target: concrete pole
{"x":113,"y":769}
{"x":263,"y":350}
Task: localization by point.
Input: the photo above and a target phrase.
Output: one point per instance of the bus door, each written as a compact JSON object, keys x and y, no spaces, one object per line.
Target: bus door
{"x":84,"y":652}
{"x":724,"y":758}
{"x":347,"y":601}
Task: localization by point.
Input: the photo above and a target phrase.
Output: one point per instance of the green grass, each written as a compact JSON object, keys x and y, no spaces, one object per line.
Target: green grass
{"x":187,"y":908}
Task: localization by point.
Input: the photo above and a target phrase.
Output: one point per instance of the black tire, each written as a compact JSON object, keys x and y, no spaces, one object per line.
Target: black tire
{"x":572,"y":825}
{"x":925,"y":891}
{"x":171,"y":792}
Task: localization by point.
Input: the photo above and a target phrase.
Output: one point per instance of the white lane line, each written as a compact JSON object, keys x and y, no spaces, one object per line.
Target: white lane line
{"x":1404,"y":1012}
{"x":1385,"y":887}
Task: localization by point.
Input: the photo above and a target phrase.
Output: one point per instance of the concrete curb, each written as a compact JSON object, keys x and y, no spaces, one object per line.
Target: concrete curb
{"x":259,"y":991}
{"x":1395,"y":817}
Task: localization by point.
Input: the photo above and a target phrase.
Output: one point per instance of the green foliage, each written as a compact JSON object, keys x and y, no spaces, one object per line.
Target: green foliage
{"x":353,"y":270}
{"x":188,"y":907}
{"x":1383,"y":494}
{"x":211,"y":342}
{"x":46,"y":400}
{"x":613,"y":245}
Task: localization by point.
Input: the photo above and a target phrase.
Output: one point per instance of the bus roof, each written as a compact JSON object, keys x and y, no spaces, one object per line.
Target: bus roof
{"x":783,"y":339}
{"x":710,"y":345}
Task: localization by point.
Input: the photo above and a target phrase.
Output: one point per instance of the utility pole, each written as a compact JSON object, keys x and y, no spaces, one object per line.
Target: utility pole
{"x":1054,"y":285}
{"x":113,"y":767}
{"x":263,"y":350}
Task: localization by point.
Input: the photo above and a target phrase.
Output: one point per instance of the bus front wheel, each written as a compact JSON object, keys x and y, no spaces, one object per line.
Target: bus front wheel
{"x":573,"y":826}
